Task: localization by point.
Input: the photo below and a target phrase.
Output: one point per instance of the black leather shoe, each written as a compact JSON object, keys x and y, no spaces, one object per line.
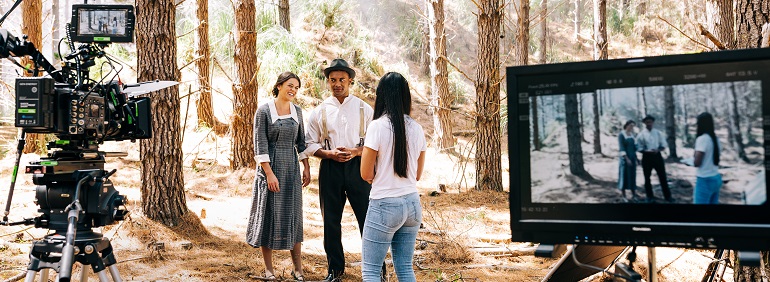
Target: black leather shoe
{"x":332,"y":278}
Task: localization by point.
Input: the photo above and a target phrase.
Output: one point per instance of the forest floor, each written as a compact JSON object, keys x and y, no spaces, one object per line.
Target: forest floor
{"x":466,"y":234}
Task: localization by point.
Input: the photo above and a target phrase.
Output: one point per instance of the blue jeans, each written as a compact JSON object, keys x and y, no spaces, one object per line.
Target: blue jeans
{"x":391,"y":222}
{"x":707,"y":190}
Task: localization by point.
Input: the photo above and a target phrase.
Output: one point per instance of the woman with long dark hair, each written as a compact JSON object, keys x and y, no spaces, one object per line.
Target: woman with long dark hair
{"x":395,"y":145}
{"x":706,"y":159}
{"x":275,"y":221}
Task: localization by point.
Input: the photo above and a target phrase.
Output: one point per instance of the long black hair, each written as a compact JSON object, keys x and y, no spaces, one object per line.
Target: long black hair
{"x":395,"y":101}
{"x":706,"y":126}
{"x":283,"y":78}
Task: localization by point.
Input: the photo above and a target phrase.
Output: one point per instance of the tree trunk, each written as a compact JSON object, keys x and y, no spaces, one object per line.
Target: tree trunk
{"x":521,"y":52}
{"x":750,"y":17}
{"x":600,"y":30}
{"x":668,"y":97}
{"x":623,"y":9}
{"x":488,"y":166}
{"x":597,"y":132}
{"x":32,"y":26}
{"x":284,"y":15}
{"x":162,"y":189}
{"x":575,"y":150}
{"x":535,"y":130}
{"x":735,"y":118}
{"x":582,"y":119}
{"x":441,"y":99}
{"x":204,"y":104}
{"x":719,"y":18}
{"x":244,"y":85}
{"x":544,"y":32}
{"x":644,"y":102}
{"x":577,"y":21}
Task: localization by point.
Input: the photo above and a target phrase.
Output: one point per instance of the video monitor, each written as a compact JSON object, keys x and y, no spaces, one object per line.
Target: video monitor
{"x":656,"y":151}
{"x":102,"y":23}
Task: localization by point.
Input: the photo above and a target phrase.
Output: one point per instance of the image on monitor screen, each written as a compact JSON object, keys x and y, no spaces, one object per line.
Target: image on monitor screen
{"x":101,"y":22}
{"x":656,"y":145}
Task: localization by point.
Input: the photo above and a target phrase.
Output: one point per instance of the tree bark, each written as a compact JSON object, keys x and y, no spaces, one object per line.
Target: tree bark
{"x":600,"y":30}
{"x":577,"y":21}
{"x":735,"y":117}
{"x":244,"y":85}
{"x":284,"y":15}
{"x":521,"y":51}
{"x":750,"y":17}
{"x":670,"y":106}
{"x":719,"y":18}
{"x":544,"y":32}
{"x":535,"y":121}
{"x":487,"y":84}
{"x":575,"y":150}
{"x":441,"y":99}
{"x":597,"y":131}
{"x":205,"y":109}
{"x":32,"y":26}
{"x":162,"y":189}
{"x":644,"y":102}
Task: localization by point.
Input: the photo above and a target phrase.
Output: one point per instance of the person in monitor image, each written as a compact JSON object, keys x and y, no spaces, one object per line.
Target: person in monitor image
{"x":651,"y":143}
{"x":707,"y":147}
{"x":114,"y":25}
{"x":628,"y":160}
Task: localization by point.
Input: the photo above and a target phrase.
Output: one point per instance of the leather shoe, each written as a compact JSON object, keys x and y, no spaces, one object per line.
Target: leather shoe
{"x":332,"y":278}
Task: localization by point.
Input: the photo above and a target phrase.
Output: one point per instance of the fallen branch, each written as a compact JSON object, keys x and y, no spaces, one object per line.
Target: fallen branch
{"x":16,"y":278}
{"x":765,"y":36}
{"x":682,"y":32}
{"x":711,"y":37}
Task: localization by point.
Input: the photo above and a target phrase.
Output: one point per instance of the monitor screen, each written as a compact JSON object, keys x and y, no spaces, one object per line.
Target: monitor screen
{"x":650,"y":144}
{"x":102,"y":23}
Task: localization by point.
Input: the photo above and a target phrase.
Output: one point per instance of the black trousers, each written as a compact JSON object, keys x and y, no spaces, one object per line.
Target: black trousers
{"x":336,"y":181}
{"x":654,"y":161}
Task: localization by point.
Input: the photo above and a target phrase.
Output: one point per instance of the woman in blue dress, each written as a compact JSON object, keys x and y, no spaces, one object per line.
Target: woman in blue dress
{"x":628,"y":160}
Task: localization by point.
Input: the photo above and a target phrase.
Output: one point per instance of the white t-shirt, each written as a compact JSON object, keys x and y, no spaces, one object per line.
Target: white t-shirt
{"x":379,"y":137}
{"x":707,"y":168}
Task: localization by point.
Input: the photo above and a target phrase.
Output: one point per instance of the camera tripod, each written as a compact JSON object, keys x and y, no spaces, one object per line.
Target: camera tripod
{"x":90,"y":248}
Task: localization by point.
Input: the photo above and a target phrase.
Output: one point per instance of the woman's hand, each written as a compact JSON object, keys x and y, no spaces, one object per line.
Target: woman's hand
{"x":305,"y":177}
{"x":272,"y":183}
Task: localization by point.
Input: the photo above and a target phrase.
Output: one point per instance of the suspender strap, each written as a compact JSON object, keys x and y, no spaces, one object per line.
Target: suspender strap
{"x":361,"y":127}
{"x":324,"y":130}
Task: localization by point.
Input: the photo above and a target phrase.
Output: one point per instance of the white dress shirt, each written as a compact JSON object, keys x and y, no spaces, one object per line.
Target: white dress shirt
{"x":649,"y":140}
{"x":342,"y":123}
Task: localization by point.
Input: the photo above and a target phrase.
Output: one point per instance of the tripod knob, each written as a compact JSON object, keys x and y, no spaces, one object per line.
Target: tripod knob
{"x":89,"y":249}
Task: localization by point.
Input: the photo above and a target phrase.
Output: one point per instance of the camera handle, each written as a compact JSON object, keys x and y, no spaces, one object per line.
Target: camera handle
{"x":19,"y":151}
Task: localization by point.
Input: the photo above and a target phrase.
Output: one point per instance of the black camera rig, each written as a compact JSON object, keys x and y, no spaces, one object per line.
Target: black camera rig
{"x":74,"y":193}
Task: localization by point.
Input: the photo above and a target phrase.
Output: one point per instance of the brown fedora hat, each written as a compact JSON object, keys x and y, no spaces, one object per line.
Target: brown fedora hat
{"x":339,"y":65}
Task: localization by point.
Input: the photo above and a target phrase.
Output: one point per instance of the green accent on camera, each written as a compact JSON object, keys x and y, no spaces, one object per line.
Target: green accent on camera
{"x":102,"y":38}
{"x":62,"y":142}
{"x":49,"y":163}
{"x":27,"y":111}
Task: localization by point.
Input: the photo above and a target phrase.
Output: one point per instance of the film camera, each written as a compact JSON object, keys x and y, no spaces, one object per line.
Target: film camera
{"x":73,"y":191}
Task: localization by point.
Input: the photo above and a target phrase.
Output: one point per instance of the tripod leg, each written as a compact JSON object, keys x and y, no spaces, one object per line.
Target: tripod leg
{"x":102,"y":276}
{"x":83,"y":273}
{"x":115,"y":274}
{"x":30,"y":276}
{"x":44,"y":275}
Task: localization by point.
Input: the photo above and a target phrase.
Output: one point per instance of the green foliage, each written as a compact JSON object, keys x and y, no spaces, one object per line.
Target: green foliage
{"x":459,"y":88}
{"x":624,"y":25}
{"x":331,"y":10}
{"x":220,"y":34}
{"x":265,"y":20}
{"x":279,"y":51}
{"x":410,"y":35}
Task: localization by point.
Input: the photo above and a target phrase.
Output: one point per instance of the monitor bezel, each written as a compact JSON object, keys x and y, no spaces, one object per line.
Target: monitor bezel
{"x":657,"y":224}
{"x":129,"y":27}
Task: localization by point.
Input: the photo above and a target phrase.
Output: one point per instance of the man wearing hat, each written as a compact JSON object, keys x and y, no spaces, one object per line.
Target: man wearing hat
{"x":335,"y":134}
{"x":651,"y":142}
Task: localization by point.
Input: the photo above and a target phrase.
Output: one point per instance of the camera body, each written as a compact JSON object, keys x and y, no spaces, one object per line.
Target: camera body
{"x":82,"y":112}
